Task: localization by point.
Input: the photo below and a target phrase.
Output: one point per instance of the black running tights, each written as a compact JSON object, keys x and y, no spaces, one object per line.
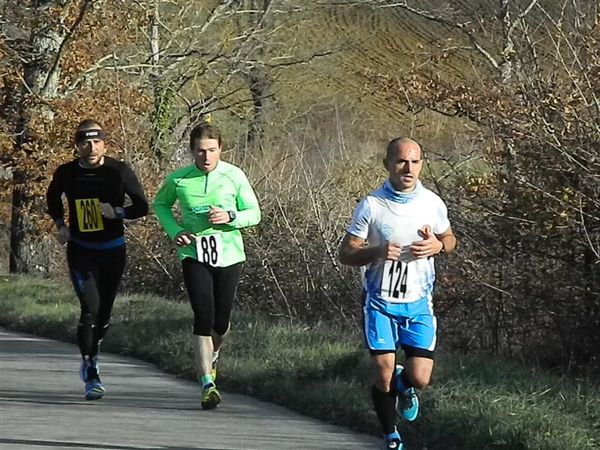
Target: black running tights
{"x":95,"y":275}
{"x":211,"y":291}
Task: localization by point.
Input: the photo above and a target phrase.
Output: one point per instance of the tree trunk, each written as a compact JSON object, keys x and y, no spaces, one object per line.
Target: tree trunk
{"x":258,"y":79}
{"x":162,"y":120}
{"x":41,"y":72}
{"x":29,"y":252}
{"x":259,"y":84}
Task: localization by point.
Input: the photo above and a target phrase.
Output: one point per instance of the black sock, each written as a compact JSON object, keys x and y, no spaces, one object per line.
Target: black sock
{"x":385,"y":407}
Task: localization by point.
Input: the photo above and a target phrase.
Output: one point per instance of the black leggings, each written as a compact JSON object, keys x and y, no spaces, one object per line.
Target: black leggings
{"x":95,"y":275}
{"x":211,"y":291}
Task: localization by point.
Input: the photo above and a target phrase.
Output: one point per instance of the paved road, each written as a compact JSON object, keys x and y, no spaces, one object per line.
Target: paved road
{"x":42,"y":408}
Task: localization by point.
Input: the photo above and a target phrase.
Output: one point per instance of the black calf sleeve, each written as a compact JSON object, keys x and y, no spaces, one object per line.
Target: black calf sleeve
{"x":101,"y":331}
{"x":85,"y":335}
{"x":385,"y":407}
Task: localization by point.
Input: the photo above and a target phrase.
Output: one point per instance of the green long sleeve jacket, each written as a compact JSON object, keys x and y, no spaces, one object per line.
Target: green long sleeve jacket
{"x":226,"y":187}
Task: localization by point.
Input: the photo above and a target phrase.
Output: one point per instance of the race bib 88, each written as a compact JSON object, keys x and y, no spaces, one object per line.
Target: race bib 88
{"x":209,"y":249}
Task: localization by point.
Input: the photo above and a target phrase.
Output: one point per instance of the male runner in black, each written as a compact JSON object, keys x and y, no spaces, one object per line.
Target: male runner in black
{"x":94,"y":186}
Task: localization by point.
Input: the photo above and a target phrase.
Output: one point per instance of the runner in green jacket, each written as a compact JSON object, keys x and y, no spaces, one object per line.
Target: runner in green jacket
{"x":215,"y":200}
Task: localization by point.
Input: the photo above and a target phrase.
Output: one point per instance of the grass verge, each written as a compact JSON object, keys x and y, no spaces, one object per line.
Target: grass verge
{"x":474,"y":402}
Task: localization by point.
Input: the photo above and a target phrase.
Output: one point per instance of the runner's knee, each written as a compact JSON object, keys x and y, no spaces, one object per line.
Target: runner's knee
{"x":383,"y":377}
{"x":420,"y":380}
{"x":202,"y":326}
{"x":87,"y":320}
{"x":418,"y":377}
{"x":221,"y":327}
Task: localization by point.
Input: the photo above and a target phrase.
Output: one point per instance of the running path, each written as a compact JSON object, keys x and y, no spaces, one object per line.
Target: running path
{"x":42,"y":408}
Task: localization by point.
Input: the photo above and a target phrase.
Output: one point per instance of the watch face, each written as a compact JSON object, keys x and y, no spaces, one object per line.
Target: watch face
{"x":231,"y":215}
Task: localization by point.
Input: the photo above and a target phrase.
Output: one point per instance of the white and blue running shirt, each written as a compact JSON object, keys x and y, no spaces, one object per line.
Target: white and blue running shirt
{"x":389,"y":215}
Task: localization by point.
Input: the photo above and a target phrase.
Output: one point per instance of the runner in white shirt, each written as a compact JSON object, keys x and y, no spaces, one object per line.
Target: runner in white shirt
{"x":395,"y":232}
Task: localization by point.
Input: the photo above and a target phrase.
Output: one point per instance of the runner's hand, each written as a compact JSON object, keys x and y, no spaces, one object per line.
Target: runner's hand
{"x":184,"y":238}
{"x":63,"y":235}
{"x":218,"y":216}
{"x":108,"y":211}
{"x":429,"y":246}
{"x":390,"y":251}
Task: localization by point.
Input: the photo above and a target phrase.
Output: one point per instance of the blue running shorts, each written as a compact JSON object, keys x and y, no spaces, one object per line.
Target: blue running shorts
{"x":389,"y":326}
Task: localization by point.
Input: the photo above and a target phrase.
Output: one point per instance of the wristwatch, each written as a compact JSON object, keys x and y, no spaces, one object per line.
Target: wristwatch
{"x":232,"y":215}
{"x":443,"y":250}
{"x":119,"y":212}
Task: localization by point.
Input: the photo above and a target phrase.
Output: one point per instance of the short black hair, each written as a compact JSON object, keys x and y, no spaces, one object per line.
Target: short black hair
{"x":86,"y":124}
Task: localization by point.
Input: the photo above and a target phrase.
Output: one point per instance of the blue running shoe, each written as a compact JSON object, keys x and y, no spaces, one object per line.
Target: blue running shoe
{"x":94,"y":389}
{"x":395,"y":444}
{"x":408,"y":402}
{"x":84,"y":368}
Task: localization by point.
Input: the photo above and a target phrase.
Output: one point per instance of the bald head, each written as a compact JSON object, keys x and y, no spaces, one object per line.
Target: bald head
{"x":403,"y":161}
{"x":398,"y":143}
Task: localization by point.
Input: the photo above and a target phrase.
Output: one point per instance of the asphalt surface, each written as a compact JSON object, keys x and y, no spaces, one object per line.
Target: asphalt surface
{"x":42,"y":408}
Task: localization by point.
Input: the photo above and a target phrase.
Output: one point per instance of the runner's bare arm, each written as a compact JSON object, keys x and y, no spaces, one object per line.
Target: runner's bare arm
{"x":354,"y":252}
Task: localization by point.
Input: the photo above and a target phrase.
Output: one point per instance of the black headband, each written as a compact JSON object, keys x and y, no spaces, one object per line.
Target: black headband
{"x":84,"y":135}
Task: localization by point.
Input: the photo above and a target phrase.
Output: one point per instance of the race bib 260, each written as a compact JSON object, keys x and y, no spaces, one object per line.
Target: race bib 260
{"x":89,"y":216}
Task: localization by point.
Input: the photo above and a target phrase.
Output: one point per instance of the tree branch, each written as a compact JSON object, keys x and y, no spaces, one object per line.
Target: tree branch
{"x":67,"y":39}
{"x":301,"y":61}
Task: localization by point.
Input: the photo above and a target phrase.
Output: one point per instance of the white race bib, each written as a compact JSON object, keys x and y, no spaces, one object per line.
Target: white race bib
{"x":394,"y":280}
{"x":209,"y":249}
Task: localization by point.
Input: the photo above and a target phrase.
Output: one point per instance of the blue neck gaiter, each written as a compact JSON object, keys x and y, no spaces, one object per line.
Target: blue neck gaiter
{"x":401,"y":197}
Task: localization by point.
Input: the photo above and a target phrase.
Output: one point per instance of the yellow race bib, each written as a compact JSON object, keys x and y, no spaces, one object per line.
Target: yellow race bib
{"x":89,"y":216}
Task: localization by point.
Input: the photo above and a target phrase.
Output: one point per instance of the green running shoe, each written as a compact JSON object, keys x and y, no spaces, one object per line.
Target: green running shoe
{"x":210,"y":397}
{"x":213,"y":372}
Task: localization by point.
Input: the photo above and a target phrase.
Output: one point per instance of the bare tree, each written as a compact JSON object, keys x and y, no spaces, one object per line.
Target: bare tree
{"x":219,"y":58}
{"x":510,"y":15}
{"x":532,"y":208}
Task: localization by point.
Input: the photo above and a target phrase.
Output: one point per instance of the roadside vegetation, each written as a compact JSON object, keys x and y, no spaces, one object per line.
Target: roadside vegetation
{"x":504,"y":98}
{"x":475,"y":402}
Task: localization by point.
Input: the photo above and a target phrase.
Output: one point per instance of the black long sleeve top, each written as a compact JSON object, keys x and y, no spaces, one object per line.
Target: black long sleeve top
{"x":85,"y":189}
